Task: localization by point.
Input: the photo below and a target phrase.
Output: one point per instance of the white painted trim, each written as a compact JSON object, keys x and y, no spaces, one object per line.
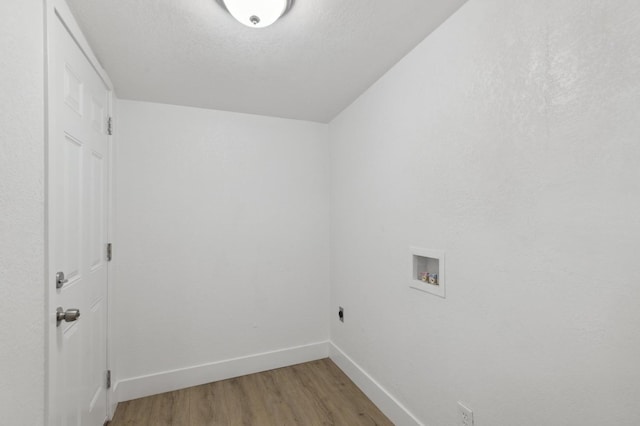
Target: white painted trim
{"x":386,"y":402}
{"x":166,"y":381}
{"x":112,"y":401}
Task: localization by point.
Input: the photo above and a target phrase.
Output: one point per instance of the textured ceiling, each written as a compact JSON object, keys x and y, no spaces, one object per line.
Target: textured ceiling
{"x":309,"y":65}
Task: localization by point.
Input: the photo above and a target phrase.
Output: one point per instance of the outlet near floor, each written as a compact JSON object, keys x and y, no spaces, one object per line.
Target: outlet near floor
{"x":465,"y":415}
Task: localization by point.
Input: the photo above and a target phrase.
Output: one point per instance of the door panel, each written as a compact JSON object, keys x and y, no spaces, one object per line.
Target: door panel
{"x":78,"y":150}
{"x":97,"y":231}
{"x":69,"y":341}
{"x":71,"y":195}
{"x":72,"y":90}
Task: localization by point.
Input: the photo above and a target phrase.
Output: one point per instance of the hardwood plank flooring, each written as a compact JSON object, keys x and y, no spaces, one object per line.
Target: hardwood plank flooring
{"x":309,"y":394}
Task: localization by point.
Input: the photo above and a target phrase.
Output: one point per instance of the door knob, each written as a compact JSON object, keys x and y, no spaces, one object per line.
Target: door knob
{"x":69,"y":315}
{"x":60,"y":280}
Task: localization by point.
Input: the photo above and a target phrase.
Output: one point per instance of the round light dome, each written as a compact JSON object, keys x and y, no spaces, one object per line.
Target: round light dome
{"x":256,"y":13}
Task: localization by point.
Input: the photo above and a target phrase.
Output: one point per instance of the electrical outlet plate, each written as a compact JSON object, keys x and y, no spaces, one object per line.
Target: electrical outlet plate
{"x":465,"y":415}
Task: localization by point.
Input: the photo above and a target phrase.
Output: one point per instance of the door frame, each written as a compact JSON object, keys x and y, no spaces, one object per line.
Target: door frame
{"x":58,"y":10}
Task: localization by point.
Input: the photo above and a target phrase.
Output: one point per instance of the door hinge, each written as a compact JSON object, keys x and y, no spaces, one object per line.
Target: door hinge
{"x":108,"y":379}
{"x":109,"y":252}
{"x":109,"y":126}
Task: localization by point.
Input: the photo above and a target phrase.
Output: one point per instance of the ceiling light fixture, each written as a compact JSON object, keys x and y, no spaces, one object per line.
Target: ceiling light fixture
{"x":257,"y":13}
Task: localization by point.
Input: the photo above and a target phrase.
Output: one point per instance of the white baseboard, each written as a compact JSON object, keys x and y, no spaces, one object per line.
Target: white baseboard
{"x":167,"y":381}
{"x":389,"y":405}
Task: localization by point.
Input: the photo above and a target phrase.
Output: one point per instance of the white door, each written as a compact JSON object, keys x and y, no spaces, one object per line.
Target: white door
{"x":78,"y":204}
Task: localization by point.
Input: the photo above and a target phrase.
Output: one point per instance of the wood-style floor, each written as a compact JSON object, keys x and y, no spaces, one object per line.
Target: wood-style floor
{"x":314,"y":393}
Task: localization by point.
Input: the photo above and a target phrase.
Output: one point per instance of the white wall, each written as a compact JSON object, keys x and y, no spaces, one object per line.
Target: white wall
{"x":22,"y":213}
{"x":509,"y":138}
{"x":223,"y":239}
